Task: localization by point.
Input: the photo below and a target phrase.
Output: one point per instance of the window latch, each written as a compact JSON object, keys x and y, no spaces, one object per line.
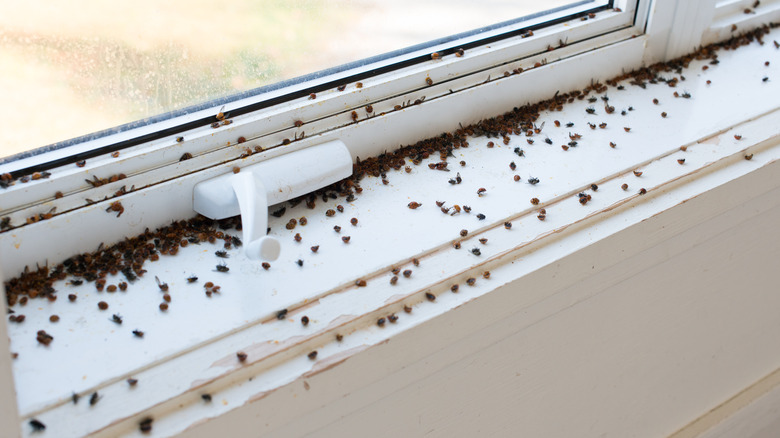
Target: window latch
{"x":255,"y":187}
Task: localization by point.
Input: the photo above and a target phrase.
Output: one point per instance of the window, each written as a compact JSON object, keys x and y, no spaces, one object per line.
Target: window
{"x":113,"y":65}
{"x":151,"y":182}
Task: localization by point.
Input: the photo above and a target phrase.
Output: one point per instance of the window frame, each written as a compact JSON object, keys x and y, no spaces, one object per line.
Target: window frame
{"x":158,"y":162}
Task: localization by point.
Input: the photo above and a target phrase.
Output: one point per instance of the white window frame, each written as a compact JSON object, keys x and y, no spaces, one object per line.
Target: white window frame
{"x":663,"y":30}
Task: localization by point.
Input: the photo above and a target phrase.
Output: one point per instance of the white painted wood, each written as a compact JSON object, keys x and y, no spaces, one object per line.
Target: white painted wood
{"x":753,"y":412}
{"x":636,"y":335}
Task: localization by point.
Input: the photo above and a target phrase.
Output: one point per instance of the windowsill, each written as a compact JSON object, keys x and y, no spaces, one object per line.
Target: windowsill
{"x":191,"y":349}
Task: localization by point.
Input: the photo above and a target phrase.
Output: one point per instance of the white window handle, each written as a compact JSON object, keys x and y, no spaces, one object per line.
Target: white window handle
{"x":255,"y":187}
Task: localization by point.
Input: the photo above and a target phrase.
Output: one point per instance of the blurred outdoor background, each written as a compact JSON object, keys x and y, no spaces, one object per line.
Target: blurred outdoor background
{"x":69,"y":68}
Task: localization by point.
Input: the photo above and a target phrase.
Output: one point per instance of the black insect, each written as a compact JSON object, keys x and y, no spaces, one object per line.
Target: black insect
{"x":117,"y":318}
{"x":590,"y":110}
{"x":236,"y":241}
{"x":222,"y":267}
{"x":192,"y":279}
{"x":481,"y":216}
{"x":570,"y":125}
{"x":548,"y":141}
{"x":476,"y":251}
{"x":138,"y":333}
{"x":299,"y":262}
{"x":75,"y":397}
{"x":281,"y":314}
{"x":94,"y":398}
{"x":533,"y":181}
{"x":206,"y":397}
{"x":221,"y":254}
{"x":519,"y":152}
{"x":37,"y":425}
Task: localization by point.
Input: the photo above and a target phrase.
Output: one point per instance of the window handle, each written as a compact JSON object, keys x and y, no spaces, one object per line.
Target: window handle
{"x":250,"y":192}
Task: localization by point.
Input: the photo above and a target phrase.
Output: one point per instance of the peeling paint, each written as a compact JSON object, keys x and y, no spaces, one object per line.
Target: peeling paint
{"x":333,"y":360}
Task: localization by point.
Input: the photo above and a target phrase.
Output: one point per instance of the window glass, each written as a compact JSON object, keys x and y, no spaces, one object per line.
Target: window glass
{"x":76,"y":67}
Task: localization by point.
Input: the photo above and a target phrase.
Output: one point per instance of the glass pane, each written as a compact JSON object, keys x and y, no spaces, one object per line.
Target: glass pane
{"x":76,"y":67}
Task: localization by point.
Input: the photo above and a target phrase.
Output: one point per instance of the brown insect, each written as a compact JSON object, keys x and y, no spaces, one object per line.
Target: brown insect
{"x":297,"y":237}
{"x":414,"y":205}
{"x":163,"y":306}
{"x":163,"y":286}
{"x":624,"y":187}
{"x":535,"y":201}
{"x":44,"y":338}
{"x":481,"y":191}
{"x":312,"y":355}
{"x":145,"y":425}
{"x":464,"y":233}
{"x":663,"y":114}
{"x":637,"y":173}
{"x":627,"y":129}
{"x":394,"y":280}
{"x":345,"y":239}
{"x":737,"y":137}
{"x":459,"y":53}
{"x":642,"y":191}
{"x":407,"y":273}
{"x":102,"y":305}
{"x":508,"y":225}
{"x":407,"y":309}
{"x":241,"y":356}
{"x":315,"y":248}
{"x":305,"y":320}
{"x":312,"y":96}
{"x":116,"y":206}
{"x":353,"y":221}
{"x":430,"y":296}
{"x":681,"y":161}
{"x":471,"y":281}
{"x":360,"y":283}
{"x":486,"y":274}
{"x":429,"y":81}
{"x":337,"y":228}
{"x":748,"y":157}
